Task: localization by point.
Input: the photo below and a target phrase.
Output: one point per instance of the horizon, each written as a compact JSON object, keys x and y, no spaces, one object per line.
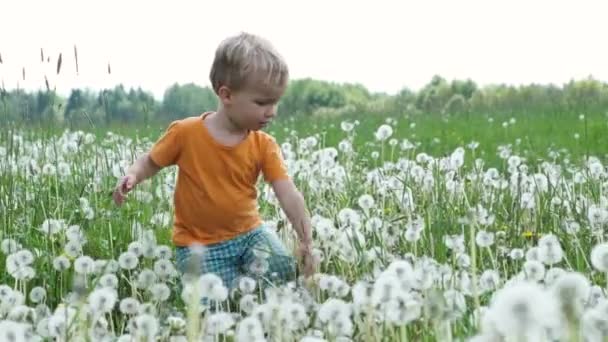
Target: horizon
{"x":385,"y":46}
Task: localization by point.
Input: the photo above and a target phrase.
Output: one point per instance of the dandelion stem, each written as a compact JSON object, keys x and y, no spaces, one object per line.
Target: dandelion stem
{"x":474,"y":271}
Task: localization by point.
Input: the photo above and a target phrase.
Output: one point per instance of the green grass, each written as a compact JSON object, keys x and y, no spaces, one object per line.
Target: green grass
{"x":27,"y":200}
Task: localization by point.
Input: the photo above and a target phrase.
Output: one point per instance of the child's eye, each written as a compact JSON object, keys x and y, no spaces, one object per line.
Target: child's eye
{"x":264,"y":102}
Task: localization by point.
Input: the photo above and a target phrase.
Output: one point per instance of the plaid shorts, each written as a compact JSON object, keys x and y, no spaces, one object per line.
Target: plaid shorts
{"x":258,"y":254}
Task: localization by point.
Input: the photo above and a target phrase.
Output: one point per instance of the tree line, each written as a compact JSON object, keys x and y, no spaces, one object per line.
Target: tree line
{"x":305,"y":97}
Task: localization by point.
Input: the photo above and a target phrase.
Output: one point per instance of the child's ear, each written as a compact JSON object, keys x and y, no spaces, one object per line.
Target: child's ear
{"x":225,"y":95}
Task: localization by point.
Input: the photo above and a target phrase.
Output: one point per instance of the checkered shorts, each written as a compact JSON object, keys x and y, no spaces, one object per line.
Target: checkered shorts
{"x":258,"y":254}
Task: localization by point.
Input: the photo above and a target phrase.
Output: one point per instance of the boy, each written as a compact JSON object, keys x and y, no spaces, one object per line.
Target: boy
{"x":220,"y":156}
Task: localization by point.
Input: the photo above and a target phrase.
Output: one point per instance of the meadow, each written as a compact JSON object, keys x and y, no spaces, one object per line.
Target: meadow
{"x":427,"y":228}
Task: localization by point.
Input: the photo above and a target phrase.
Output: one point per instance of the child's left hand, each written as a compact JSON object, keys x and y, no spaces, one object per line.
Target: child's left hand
{"x":307,"y":259}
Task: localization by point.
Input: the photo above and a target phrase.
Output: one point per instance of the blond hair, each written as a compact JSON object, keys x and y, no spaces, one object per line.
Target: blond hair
{"x":241,"y":57}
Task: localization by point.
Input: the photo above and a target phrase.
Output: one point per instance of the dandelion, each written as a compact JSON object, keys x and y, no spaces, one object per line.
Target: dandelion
{"x":247,"y":303}
{"x":162,"y":252}
{"x":146,"y":278}
{"x":13,"y":331}
{"x":164,"y":268}
{"x":84,"y":265}
{"x":571,"y":227}
{"x":136,"y":248}
{"x":534,"y":270}
{"x":549,"y":250}
{"x":366,"y":202}
{"x":247,"y":285}
{"x":259,"y":266}
{"x":176,"y":323}
{"x":109,"y":280}
{"x":489,"y":280}
{"x":160,"y":292}
{"x":516,"y":254}
{"x":295,"y":315}
{"x":219,"y":323}
{"x":146,"y":326}
{"x":129,"y":306}
{"x":24,"y":257}
{"x":37,"y":294}
{"x":572,"y":290}
{"x":53,"y":226}
{"x":484,"y":239}
{"x":9,"y":246}
{"x":524,"y":310}
{"x":599,"y":257}
{"x":61,"y":263}
{"x":101,"y":301}
{"x":249,"y":329}
{"x":72,"y":249}
{"x":128,"y":261}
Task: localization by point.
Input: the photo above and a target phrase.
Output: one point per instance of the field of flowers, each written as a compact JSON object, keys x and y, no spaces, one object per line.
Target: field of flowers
{"x":412,"y":246}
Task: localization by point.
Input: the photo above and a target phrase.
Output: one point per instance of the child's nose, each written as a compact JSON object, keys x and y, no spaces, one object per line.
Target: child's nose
{"x":271,"y":112}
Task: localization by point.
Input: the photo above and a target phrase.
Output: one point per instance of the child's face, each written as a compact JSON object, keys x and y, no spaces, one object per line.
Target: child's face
{"x":253,"y":106}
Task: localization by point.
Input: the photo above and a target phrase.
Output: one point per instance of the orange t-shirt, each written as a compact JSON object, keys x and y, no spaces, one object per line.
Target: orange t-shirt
{"x":215,"y":195}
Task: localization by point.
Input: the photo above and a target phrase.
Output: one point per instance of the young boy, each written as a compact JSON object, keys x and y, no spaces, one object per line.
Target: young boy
{"x":220,"y":156}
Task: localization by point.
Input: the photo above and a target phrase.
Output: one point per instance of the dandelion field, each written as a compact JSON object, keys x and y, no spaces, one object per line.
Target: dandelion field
{"x":426,"y":229}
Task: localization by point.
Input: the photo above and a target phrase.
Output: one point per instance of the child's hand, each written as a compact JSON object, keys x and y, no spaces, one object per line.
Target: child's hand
{"x":305,"y":253}
{"x":125,"y":185}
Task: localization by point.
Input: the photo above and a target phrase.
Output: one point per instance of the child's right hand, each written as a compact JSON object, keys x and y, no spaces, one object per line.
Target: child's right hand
{"x":125,"y":185}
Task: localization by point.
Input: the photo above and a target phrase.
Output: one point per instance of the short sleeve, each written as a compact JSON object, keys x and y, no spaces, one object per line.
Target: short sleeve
{"x":166,"y":150}
{"x":273,"y":166}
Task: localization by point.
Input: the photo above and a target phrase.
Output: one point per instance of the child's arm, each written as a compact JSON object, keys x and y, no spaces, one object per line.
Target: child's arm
{"x":292,"y":202}
{"x":142,"y":169}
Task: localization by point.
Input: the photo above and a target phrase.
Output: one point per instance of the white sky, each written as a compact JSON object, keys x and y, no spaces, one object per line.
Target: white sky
{"x":382,"y":44}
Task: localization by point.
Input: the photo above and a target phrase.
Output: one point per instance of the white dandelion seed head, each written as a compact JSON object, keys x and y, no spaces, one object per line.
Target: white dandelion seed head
{"x":334,"y":310}
{"x":14,"y":331}
{"x":160,"y":292}
{"x":102,"y":300}
{"x":534,"y":270}
{"x":146,"y":326}
{"x":572,"y":290}
{"x":136,"y":248}
{"x":9,"y":246}
{"x":128,"y":261}
{"x":164,"y":268}
{"x":219,"y":323}
{"x":599,"y":257}
{"x":524,"y":308}
{"x":129,"y":306}
{"x":248,"y":303}
{"x":484,"y":238}
{"x":383,"y":132}
{"x":489,"y":280}
{"x":84,"y":265}
{"x":73,"y":249}
{"x":61,"y":263}
{"x":146,"y":278}
{"x":247,"y":285}
{"x":109,"y":280}
{"x":532,"y":254}
{"x":37,"y":294}
{"x":550,"y":251}
{"x":163,"y":252}
{"x":250,"y":329}
{"x":366,"y":202}
{"x":516,"y":254}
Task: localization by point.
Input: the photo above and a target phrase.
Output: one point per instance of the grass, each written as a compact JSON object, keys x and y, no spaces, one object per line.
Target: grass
{"x":32,"y":193}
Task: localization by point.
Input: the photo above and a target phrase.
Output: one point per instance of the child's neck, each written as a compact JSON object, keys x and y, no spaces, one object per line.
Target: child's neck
{"x":223,"y":130}
{"x":222,"y":122}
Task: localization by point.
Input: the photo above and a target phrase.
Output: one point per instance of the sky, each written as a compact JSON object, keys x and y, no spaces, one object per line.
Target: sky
{"x":384,"y":45}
